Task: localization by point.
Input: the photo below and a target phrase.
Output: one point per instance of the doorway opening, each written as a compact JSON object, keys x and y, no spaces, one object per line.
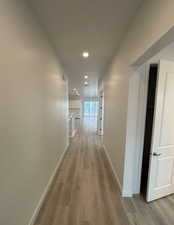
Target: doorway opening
{"x":159,"y":183}
{"x":90,"y":114}
{"x":90,"y":108}
{"x":151,"y":94}
{"x":157,"y":171}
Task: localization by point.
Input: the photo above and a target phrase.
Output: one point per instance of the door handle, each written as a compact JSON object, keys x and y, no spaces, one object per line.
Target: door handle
{"x":156,"y":154}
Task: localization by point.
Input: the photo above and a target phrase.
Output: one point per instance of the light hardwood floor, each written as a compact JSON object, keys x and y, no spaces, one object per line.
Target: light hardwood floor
{"x":85,"y":192}
{"x":160,"y":212}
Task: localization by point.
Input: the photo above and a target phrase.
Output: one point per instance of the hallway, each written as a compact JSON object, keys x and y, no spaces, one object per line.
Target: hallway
{"x":60,"y":61}
{"x":84,"y":191}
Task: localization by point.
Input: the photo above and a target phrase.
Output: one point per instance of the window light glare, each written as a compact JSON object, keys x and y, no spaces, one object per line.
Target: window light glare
{"x":85,"y":54}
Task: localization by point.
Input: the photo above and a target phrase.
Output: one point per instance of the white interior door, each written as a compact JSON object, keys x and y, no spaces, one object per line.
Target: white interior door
{"x":161,"y":171}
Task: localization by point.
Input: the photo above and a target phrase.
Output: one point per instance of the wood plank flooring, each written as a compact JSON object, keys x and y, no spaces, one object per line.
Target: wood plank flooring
{"x":85,"y":192}
{"x":159,"y":212}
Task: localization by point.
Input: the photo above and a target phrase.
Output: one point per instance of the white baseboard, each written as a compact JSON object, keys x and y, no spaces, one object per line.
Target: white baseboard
{"x":113,"y":170}
{"x":126,"y":193}
{"x":33,"y":218}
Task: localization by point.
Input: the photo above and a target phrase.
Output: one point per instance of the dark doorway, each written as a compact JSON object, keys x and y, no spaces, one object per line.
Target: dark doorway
{"x":153,"y":71}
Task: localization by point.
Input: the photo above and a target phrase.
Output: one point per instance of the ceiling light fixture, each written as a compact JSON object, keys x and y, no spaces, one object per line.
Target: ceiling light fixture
{"x":75,"y":92}
{"x":85,"y":54}
{"x":86,"y":83}
{"x":86,"y":77}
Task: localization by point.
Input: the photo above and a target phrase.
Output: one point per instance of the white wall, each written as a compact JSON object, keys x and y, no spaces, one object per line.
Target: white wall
{"x":152,"y":21}
{"x":33,"y":113}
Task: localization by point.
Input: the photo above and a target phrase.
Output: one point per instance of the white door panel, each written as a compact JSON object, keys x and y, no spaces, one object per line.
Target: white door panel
{"x":161,"y":172}
{"x":164,"y":172}
{"x":167,"y":131}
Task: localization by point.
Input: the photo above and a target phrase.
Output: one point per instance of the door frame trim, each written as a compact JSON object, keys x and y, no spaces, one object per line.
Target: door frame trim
{"x":140,"y":128}
{"x":138,"y":89}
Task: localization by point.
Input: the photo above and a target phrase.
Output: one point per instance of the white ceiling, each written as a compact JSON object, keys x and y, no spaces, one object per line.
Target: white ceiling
{"x":96,"y":26}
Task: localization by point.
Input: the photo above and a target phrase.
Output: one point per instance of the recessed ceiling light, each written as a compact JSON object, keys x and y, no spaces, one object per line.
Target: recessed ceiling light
{"x":86,"y":77}
{"x":85,"y":54}
{"x":86,"y":83}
